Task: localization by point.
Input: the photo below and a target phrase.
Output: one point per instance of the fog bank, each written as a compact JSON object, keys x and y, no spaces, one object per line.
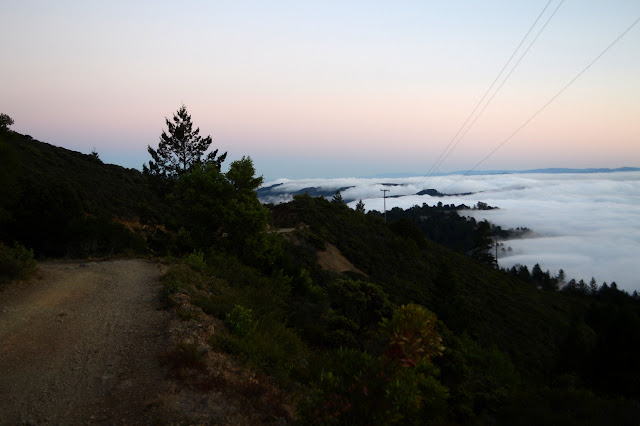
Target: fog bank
{"x":587,"y":224}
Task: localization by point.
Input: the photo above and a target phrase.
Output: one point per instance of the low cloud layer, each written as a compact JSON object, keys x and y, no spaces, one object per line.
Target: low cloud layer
{"x":586,"y":224}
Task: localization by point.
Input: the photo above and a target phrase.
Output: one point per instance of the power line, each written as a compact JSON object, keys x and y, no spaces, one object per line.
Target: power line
{"x":438,"y":162}
{"x":553,"y":98}
{"x":501,"y":84}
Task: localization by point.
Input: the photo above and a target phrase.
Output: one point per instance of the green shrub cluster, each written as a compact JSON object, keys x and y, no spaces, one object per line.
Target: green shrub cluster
{"x":270,"y":346}
{"x":196,"y":260}
{"x":253,"y":307}
{"x":16,"y":262}
{"x":398,"y":386}
{"x":240,"y":321}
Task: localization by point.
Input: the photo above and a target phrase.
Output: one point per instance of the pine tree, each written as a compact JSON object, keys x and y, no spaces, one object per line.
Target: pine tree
{"x":360,"y":207}
{"x":337,"y":199}
{"x":180,"y":148}
{"x":537,"y":274}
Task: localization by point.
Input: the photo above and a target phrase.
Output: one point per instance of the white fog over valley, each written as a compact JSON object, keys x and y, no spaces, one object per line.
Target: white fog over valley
{"x":585,"y":223}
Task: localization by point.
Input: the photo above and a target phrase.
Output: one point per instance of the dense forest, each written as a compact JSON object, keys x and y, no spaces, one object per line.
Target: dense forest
{"x":422,"y":328}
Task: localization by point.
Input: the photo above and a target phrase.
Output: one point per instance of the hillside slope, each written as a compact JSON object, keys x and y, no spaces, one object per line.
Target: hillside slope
{"x":60,"y":202}
{"x":491,"y":306}
{"x":100,"y":187}
{"x":515,"y":354}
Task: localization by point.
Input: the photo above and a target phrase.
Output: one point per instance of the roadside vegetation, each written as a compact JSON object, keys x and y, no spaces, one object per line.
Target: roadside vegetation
{"x":422,"y":334}
{"x":16,"y":262}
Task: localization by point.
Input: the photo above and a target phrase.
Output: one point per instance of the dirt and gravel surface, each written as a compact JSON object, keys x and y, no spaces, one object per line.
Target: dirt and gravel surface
{"x":81,"y":342}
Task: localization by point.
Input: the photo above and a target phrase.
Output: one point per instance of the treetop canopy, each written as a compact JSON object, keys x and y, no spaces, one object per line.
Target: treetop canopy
{"x":180,"y":147}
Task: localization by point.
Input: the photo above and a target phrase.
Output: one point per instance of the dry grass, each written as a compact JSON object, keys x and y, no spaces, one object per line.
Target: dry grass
{"x":331,"y":259}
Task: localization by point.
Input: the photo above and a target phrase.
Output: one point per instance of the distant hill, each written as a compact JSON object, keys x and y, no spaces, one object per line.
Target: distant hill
{"x":274,"y":194}
{"x":565,"y":170}
{"x":278,"y":192}
{"x":54,"y":198}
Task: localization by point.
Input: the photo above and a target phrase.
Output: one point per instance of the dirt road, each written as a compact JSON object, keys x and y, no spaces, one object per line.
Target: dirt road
{"x":81,"y":343}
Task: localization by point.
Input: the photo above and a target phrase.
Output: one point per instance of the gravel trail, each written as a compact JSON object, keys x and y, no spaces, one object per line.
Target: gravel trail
{"x":81,"y":343}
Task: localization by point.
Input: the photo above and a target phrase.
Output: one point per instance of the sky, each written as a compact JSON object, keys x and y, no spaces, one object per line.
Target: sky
{"x":586,"y":224}
{"x":332,"y":88}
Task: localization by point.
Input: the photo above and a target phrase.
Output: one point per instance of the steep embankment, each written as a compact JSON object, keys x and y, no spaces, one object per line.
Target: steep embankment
{"x":82,"y":343}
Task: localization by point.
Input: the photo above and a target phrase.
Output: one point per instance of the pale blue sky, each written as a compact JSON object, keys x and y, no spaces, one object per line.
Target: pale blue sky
{"x":326,"y":88}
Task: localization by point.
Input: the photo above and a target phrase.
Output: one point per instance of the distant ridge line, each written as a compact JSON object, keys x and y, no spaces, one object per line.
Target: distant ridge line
{"x":552,"y":170}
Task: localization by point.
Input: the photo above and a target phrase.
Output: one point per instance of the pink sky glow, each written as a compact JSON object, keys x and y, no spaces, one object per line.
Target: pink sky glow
{"x":323,"y":88}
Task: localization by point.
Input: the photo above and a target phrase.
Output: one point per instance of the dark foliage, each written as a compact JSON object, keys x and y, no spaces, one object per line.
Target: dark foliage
{"x":16,"y":262}
{"x":511,"y":342}
{"x":5,"y":122}
{"x":60,"y":202}
{"x":442,"y":224}
{"x":180,"y":148}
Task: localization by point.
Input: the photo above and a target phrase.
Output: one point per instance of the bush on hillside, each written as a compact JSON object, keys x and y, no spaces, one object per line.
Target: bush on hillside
{"x":399,"y":386}
{"x":16,"y":262}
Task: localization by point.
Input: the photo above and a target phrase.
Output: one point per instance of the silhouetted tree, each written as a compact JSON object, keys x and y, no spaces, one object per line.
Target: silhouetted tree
{"x":337,"y":199}
{"x":549,"y":283}
{"x":524,"y":274}
{"x":360,"y":207}
{"x":180,"y":148}
{"x":571,"y":287}
{"x":536,"y":273}
{"x":94,"y":154}
{"x":5,"y":122}
{"x":582,"y":287}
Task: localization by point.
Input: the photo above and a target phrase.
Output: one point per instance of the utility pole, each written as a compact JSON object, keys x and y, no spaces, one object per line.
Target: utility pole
{"x":385,"y":203}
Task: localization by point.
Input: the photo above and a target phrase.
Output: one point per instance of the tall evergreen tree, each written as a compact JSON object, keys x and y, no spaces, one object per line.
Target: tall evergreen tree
{"x":180,"y":148}
{"x":537,"y":274}
{"x":561,"y":275}
{"x":337,"y":199}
